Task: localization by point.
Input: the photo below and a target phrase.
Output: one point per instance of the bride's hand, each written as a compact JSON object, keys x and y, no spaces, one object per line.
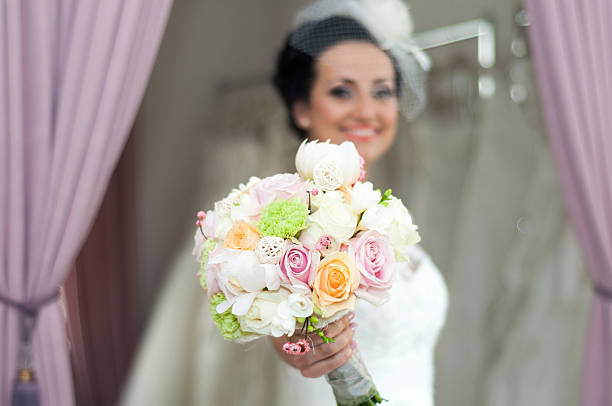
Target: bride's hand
{"x":322,"y":358}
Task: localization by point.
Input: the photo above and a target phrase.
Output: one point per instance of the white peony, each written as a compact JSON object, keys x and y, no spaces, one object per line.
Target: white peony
{"x":264,"y":317}
{"x":340,"y":160}
{"x":394,"y":221}
{"x":327,"y":175}
{"x":363,"y":196}
{"x":334,"y":217}
{"x":240,"y":276}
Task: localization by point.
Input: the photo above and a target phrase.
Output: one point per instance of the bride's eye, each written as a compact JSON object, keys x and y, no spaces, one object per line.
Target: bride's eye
{"x":340,"y":92}
{"x":383,"y":92}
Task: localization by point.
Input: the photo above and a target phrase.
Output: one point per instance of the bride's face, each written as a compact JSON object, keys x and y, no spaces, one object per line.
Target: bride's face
{"x":353,"y":98}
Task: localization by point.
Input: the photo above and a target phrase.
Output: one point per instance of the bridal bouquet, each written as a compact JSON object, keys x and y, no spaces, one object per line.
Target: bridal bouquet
{"x":289,"y":254}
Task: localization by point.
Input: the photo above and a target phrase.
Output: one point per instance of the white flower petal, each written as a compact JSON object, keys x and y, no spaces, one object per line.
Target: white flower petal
{"x":243,"y":303}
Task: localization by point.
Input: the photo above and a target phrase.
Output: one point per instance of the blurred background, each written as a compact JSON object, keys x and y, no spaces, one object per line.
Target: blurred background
{"x":475,"y":169}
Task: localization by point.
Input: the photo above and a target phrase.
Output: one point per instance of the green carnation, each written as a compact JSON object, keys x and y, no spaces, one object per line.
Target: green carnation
{"x":207,"y":248}
{"x":226,"y":322}
{"x":283,"y":218}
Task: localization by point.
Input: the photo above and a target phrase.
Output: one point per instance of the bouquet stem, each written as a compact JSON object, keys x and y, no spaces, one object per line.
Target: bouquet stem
{"x":352,"y":384}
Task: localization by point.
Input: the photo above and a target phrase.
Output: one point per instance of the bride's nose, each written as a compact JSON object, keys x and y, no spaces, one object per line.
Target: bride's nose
{"x":365,"y":108}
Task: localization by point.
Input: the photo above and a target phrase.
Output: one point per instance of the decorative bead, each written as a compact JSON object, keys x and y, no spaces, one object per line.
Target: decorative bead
{"x":269,"y":249}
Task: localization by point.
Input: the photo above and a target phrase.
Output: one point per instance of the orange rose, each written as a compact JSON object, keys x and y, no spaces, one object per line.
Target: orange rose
{"x":334,"y":284}
{"x":242,"y":236}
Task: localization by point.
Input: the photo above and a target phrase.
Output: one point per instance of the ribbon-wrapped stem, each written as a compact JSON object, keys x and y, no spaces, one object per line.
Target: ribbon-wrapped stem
{"x":352,"y":384}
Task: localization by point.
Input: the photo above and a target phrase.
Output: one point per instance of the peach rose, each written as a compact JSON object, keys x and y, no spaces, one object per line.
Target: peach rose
{"x":242,"y":236}
{"x":334,"y":284}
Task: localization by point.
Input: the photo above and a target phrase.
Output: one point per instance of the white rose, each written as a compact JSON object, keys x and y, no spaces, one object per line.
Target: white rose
{"x":345,"y":159}
{"x":335,"y":217}
{"x":392,"y":220}
{"x":363,"y":196}
{"x":263,"y":316}
{"x":296,"y":305}
{"x":240,"y":277}
{"x":244,"y":208}
{"x":222,"y":228}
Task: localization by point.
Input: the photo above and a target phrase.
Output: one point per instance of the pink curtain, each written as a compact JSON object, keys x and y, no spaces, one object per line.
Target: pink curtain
{"x":72,"y":74}
{"x":100,"y":294}
{"x":571,"y":42}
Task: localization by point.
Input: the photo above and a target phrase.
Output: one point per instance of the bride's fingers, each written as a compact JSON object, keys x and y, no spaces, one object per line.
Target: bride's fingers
{"x":342,"y":339}
{"x":325,"y":352}
{"x":332,"y":330}
{"x":329,"y":364}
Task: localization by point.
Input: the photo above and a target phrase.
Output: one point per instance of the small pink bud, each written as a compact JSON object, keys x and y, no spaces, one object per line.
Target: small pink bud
{"x":201,"y":215}
{"x":304,"y":346}
{"x":315,"y":192}
{"x":362,"y":175}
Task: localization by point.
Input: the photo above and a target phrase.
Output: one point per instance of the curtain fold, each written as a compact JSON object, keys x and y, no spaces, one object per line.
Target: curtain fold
{"x":570,"y":40}
{"x":72,"y":75}
{"x":100,"y":295}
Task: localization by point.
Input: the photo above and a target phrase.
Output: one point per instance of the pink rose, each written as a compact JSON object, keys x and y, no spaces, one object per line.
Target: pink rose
{"x":212,"y":287}
{"x":210,"y":223}
{"x":376,"y":262}
{"x":299,"y":264}
{"x":282,"y":186}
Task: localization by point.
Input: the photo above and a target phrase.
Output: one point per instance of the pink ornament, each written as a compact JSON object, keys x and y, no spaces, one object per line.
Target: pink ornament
{"x":325,"y":241}
{"x":298,"y":348}
{"x":314,"y":192}
{"x":292,"y":348}
{"x":201,"y":215}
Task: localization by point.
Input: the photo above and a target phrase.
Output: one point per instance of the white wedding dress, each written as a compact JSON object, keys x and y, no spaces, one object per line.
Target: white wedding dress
{"x":396,"y":340}
{"x":183,"y":360}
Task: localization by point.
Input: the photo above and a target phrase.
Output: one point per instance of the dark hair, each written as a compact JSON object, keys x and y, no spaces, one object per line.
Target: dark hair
{"x":295,"y":67}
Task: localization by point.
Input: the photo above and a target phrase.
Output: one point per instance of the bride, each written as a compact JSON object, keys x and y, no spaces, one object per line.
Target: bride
{"x":345,"y":73}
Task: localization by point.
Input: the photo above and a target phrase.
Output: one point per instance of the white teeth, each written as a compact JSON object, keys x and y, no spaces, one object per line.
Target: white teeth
{"x":363,"y":133}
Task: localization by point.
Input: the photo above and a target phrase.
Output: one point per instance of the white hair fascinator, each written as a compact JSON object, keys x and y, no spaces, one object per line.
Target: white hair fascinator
{"x":390,"y":24}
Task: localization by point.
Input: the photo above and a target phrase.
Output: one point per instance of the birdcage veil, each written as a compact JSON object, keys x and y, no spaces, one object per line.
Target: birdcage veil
{"x":387,"y":23}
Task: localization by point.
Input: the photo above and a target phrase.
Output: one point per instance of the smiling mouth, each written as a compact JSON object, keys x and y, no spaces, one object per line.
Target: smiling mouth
{"x":361,"y":134}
